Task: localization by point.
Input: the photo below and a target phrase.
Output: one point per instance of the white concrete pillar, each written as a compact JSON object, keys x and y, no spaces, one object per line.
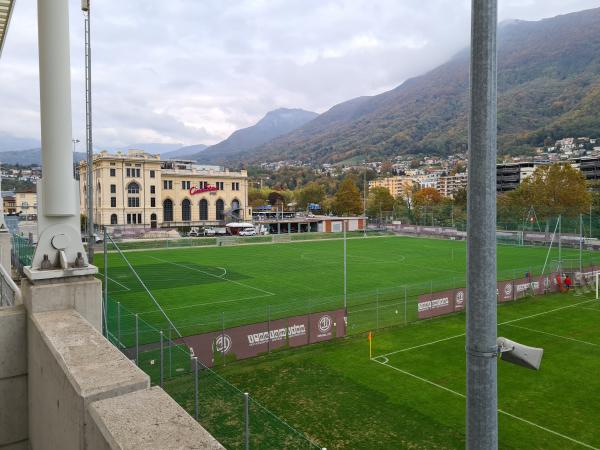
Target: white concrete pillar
{"x":55,"y":108}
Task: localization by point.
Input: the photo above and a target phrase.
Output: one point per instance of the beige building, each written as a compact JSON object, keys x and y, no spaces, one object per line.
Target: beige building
{"x":449,"y":185}
{"x":139,"y":188}
{"x":24,"y":202}
{"x":399,"y":186}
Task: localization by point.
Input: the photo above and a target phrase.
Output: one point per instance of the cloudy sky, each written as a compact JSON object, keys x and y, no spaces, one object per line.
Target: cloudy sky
{"x":193,"y":71}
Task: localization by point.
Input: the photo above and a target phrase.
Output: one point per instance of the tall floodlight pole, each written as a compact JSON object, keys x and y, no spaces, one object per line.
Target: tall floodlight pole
{"x":365,"y":200}
{"x":580,"y":242}
{"x":85,"y":7}
{"x":482,"y":394}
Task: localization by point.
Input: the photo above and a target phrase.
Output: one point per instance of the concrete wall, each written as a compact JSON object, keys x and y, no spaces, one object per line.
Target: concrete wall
{"x":13,"y":378}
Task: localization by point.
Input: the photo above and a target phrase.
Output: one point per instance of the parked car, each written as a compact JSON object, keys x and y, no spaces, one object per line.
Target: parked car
{"x":97,"y":239}
{"x":194,"y":232}
{"x":248,"y":232}
{"x":216,"y":231}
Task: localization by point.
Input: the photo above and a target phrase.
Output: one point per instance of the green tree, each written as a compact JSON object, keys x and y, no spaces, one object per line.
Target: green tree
{"x":347,"y":199}
{"x":553,"y":190}
{"x":311,"y":193}
{"x":379,"y":201}
{"x":257,"y":197}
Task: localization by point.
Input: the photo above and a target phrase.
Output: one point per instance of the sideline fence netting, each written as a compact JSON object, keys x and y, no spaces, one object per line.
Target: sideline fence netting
{"x":144,"y":332}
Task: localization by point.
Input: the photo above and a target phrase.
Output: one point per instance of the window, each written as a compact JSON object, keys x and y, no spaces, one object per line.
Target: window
{"x":113,"y":219}
{"x":220,"y":185}
{"x":133,"y":188}
{"x":113,"y":188}
{"x":168,"y":211}
{"x":186,"y":185}
{"x":132,"y":172}
{"x":235,"y":205}
{"x":133,"y":202}
{"x":128,"y":172}
{"x":152,"y":174}
{"x":235,"y":186}
{"x":139,"y":218}
{"x":203,"y":209}
{"x":152,"y":202}
{"x":153,"y":221}
{"x":113,"y":202}
{"x":186,"y":210}
{"x":219,"y":207}
{"x":134,"y":218}
{"x":167,"y":184}
{"x":153,"y":189}
{"x":113,"y":172}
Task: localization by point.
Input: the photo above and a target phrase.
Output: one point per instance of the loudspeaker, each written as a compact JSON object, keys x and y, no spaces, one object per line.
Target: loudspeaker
{"x":519,"y":354}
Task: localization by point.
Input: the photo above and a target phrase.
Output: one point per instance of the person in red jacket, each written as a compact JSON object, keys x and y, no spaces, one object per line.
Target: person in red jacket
{"x":568,"y":282}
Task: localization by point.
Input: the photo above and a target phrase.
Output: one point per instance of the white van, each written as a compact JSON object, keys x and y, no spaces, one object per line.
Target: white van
{"x":248,"y":232}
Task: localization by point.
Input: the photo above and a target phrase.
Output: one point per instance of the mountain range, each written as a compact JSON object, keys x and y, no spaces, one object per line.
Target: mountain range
{"x":242,"y":142}
{"x":548,"y":87}
{"x":30,"y":156}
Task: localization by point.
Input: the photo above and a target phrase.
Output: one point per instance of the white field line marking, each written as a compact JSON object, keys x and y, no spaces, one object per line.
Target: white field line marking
{"x":548,"y":430}
{"x":502,"y":323}
{"x":212,"y":275}
{"x":555,"y":335}
{"x":120,"y":284}
{"x":589,"y":309}
{"x":224,"y":271}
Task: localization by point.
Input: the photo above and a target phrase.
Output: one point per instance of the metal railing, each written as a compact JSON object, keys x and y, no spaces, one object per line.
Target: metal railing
{"x":10,"y":294}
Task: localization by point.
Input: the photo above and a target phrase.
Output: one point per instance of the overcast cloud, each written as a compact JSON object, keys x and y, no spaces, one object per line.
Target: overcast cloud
{"x":194,"y":71}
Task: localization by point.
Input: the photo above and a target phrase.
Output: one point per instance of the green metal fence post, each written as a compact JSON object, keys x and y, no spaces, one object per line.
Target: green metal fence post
{"x":161,"y":358}
{"x":246,"y":423}
{"x":137,"y":340}
{"x":196,"y":409}
{"x":405,"y":298}
{"x":119,"y":324}
{"x":377,"y":310}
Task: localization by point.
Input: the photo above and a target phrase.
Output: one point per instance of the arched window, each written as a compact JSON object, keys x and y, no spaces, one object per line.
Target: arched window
{"x":203,"y":209}
{"x":152,"y":220}
{"x":113,"y":219}
{"x":186,"y":210}
{"x":219,"y":207}
{"x":168,"y":211}
{"x":133,"y":188}
{"x":235,"y":205}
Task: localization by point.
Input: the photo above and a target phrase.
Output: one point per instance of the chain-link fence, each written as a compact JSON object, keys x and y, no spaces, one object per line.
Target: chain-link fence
{"x":10,"y":293}
{"x":22,"y":252}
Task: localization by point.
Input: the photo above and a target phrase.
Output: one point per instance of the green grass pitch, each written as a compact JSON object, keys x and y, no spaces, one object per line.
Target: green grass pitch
{"x":203,"y":289}
{"x":411,"y":395}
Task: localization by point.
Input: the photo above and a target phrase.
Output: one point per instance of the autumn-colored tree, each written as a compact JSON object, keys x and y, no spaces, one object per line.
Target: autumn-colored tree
{"x":347,"y":198}
{"x":553,"y":190}
{"x":379,"y":200}
{"x":427,"y":197}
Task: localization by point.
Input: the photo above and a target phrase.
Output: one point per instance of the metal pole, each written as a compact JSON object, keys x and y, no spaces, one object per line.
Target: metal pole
{"x":162,"y":359}
{"x":365,"y":200}
{"x":345,"y":266}
{"x":196,"y":392}
{"x":88,"y":132}
{"x":580,"y":243}
{"x":268,"y":328}
{"x":405,"y":301}
{"x":119,"y":323}
{"x":559,"y":241}
{"x":170,"y":353}
{"x":377,"y":310}
{"x":482,"y":395}
{"x":246,"y":423}
{"x":223,"y":337}
{"x":137,"y":340}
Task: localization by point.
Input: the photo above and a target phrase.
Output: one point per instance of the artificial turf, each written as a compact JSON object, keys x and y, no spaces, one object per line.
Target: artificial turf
{"x":413,"y":398}
{"x":208,"y":288}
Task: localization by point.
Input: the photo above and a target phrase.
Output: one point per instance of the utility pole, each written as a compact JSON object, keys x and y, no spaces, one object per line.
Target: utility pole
{"x":365,"y":199}
{"x":85,"y":7}
{"x":481,"y":347}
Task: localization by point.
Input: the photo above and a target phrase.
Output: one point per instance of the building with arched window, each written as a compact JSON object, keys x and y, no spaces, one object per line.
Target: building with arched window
{"x":139,"y":189}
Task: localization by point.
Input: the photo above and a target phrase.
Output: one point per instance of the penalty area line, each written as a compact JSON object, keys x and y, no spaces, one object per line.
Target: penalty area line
{"x":501,"y":411}
{"x":502,"y":323}
{"x":220,"y":277}
{"x":120,"y":284}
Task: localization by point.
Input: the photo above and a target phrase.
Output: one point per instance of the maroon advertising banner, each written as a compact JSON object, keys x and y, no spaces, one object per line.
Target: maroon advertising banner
{"x":446,"y":302}
{"x":460,"y":299}
{"x":505,"y":291}
{"x":436,"y":304}
{"x":251,"y":340}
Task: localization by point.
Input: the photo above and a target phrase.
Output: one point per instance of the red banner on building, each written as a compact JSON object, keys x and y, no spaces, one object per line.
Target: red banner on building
{"x":248,"y":341}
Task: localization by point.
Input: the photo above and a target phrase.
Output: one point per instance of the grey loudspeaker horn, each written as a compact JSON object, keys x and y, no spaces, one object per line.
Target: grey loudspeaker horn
{"x":519,"y":354}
